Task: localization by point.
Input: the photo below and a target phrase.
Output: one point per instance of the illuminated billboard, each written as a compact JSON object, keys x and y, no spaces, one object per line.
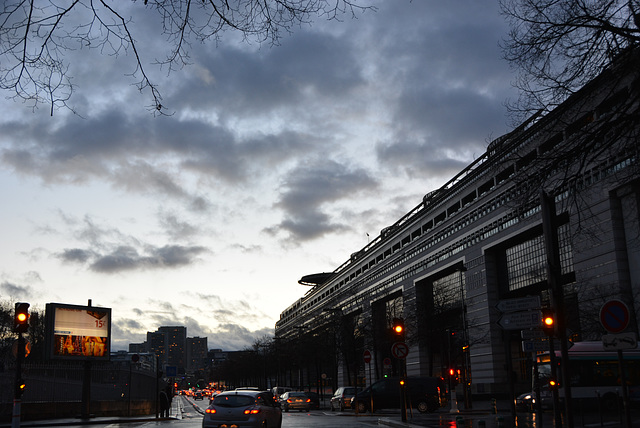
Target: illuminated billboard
{"x":78,"y":332}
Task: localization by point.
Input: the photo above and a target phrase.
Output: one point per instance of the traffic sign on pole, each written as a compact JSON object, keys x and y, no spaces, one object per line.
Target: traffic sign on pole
{"x":520,"y":320}
{"x":399,"y":350}
{"x":366,"y":356}
{"x":620,"y":341}
{"x":614,"y":316}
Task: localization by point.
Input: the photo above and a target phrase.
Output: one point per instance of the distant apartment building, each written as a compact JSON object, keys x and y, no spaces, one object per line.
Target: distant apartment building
{"x":175,"y":344}
{"x":196,"y":353}
{"x":156,"y":344}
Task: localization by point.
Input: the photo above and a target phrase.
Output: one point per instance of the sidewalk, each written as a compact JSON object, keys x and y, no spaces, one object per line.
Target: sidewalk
{"x":176,"y":413}
{"x":484,"y":416}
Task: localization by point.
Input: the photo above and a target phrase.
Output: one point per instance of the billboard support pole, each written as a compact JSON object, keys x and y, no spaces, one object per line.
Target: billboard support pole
{"x":86,"y":391}
{"x":86,"y":387}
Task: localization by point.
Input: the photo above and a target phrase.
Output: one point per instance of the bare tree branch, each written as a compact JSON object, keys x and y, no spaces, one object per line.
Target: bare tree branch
{"x":35,"y":36}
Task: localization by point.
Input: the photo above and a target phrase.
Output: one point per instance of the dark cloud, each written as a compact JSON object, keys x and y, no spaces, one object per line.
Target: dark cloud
{"x":309,"y":188}
{"x":419,"y":159}
{"x":127,"y":258}
{"x":15,"y":291}
{"x":76,"y":255}
{"x":176,"y":228}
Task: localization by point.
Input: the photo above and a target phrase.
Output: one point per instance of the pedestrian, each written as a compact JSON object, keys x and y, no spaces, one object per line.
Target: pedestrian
{"x":164,"y":405}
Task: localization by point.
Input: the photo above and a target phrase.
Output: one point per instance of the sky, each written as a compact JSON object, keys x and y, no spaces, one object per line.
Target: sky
{"x":275,"y":162}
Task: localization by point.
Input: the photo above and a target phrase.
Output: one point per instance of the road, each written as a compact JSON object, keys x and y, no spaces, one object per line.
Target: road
{"x":190,"y":417}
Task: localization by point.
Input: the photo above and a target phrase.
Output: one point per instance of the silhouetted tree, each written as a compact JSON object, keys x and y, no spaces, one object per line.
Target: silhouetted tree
{"x":36,"y":36}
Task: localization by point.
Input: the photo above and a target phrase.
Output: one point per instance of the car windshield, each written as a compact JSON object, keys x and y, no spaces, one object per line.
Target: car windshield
{"x":297,"y":394}
{"x":349,"y":391}
{"x":233,"y":400}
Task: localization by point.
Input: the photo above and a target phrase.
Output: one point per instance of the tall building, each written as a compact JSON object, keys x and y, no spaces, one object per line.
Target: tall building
{"x":563,"y":187}
{"x":196,"y":353}
{"x":175,"y":343}
{"x":156,"y":344}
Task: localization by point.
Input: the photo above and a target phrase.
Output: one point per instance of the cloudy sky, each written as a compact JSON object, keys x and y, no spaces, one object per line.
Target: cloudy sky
{"x":275,"y":163}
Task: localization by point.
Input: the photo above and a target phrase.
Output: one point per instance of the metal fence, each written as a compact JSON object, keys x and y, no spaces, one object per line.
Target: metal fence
{"x":120,"y":383}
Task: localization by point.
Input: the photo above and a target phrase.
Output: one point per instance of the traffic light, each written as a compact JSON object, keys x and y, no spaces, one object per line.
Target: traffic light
{"x":548,"y":322}
{"x":398,"y":328}
{"x":21,"y":318}
{"x":20,"y":387}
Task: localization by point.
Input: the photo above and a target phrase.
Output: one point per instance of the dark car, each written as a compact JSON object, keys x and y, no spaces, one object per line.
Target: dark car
{"x":342,"y":398}
{"x":526,"y":402}
{"x":295,"y":400}
{"x":315,"y":399}
{"x":245,"y":408}
{"x":198,"y":396}
{"x":423,"y":393}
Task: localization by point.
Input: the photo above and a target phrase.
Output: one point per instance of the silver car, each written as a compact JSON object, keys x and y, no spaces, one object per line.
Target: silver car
{"x":244,"y":408}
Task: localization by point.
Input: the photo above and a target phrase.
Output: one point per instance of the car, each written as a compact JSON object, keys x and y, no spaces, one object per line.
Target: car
{"x":526,"y":402}
{"x":424,"y":393}
{"x":315,"y":399}
{"x":245,"y":408}
{"x":277,"y":391}
{"x":341,"y":399}
{"x":198,"y":396}
{"x":295,"y":400}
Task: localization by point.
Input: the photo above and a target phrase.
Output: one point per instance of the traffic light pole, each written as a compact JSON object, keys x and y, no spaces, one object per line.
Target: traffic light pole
{"x":552,"y":246}
{"x":17,"y":399}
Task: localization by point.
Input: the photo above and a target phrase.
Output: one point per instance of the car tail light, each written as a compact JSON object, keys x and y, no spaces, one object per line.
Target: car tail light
{"x":308,"y":400}
{"x":212,"y":411}
{"x":251,"y":411}
{"x":289,"y":400}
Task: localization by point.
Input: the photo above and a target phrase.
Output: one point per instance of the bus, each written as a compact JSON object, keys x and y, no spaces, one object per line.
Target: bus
{"x":595,"y":375}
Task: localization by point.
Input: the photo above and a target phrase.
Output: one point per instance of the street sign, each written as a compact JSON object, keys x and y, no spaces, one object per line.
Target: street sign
{"x":614,"y":316}
{"x":620,"y":341}
{"x":535,"y":345}
{"x":519,"y":304}
{"x":366,"y":356}
{"x":533,"y":334}
{"x":520,"y":320}
{"x":399,"y":350}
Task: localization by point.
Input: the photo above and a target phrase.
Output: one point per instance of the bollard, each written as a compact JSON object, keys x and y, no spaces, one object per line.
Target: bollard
{"x":500,"y":422}
{"x":482,"y":424}
{"x":459,"y":421}
{"x":494,"y":408}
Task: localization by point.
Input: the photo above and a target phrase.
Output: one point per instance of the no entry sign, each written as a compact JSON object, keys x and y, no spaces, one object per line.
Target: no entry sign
{"x":614,"y":316}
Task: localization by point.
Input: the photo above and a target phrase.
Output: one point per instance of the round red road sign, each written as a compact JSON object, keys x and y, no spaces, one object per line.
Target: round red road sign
{"x":366,"y":356}
{"x":614,"y":316}
{"x":400,"y":350}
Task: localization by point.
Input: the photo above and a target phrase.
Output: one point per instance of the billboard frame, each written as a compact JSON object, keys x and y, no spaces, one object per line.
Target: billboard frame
{"x":79,"y":344}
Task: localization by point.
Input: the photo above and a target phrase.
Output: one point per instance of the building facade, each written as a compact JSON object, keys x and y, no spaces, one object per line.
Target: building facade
{"x":549,"y":210}
{"x":196,"y":353}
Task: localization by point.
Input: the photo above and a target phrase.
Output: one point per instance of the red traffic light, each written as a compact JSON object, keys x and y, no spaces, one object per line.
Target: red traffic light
{"x":548,"y":322}
{"x":21,"y":317}
{"x":398,"y":326}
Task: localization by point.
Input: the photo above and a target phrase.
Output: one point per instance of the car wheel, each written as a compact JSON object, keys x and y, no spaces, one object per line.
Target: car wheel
{"x":341,"y":406}
{"x":362,"y":408}
{"x":332,"y":409}
{"x":423,"y":406}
